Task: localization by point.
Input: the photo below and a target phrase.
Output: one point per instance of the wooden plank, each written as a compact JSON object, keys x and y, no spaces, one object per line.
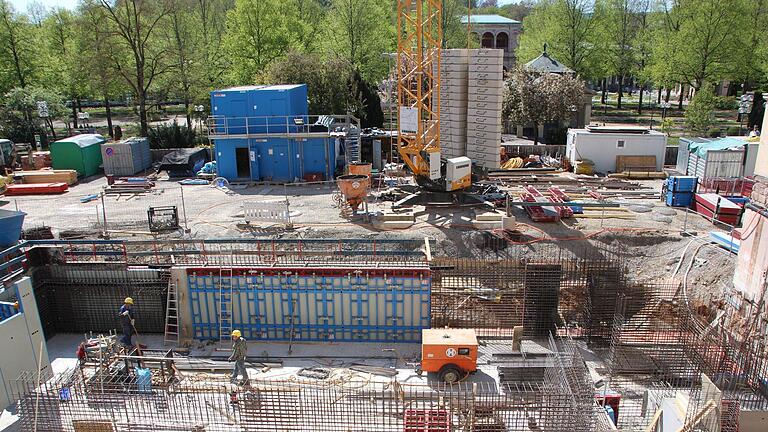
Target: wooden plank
{"x":635,"y":163}
{"x":92,"y":426}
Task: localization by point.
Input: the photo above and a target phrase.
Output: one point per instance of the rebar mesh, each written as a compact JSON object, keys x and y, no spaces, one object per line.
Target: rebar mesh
{"x":86,"y":299}
{"x":67,"y":403}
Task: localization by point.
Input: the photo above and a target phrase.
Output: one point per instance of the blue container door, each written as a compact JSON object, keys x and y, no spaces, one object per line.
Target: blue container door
{"x":281,"y":168}
{"x":274,"y":163}
{"x":233,"y":106}
{"x":258,"y":111}
{"x":315,"y":157}
{"x":278,"y":108}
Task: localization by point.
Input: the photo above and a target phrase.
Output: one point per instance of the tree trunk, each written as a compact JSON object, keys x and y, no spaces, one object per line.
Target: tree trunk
{"x":745,"y":87}
{"x":74,"y":113}
{"x":640,"y":101}
{"x":143,"y":122}
{"x":605,"y":91}
{"x":621,"y":91}
{"x":682,"y":94}
{"x":108,"y":109}
{"x":186,"y":110}
{"x":50,"y":124}
{"x":535,"y":133}
{"x":667,"y":95}
{"x":658,"y":100}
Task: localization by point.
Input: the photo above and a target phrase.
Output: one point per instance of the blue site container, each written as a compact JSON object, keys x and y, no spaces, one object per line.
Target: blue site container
{"x":260,"y":109}
{"x":682,"y":184}
{"x":269,"y":111}
{"x":679,"y":199}
{"x":10,"y":227}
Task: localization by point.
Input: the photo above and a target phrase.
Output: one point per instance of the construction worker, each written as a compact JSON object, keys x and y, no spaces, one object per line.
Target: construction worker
{"x":127,"y":321}
{"x":239,"y":350}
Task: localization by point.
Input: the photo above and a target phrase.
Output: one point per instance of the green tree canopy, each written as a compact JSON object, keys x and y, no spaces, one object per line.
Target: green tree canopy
{"x":569,"y":28}
{"x":700,"y":115}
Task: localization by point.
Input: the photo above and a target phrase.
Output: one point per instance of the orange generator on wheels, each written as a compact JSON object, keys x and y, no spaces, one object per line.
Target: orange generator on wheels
{"x":451,"y":353}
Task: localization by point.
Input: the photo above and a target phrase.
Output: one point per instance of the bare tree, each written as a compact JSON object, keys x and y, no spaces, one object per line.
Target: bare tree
{"x":212,"y":16}
{"x":37,"y":13}
{"x":94,"y":35}
{"x":135,"y":22}
{"x":183,"y":47}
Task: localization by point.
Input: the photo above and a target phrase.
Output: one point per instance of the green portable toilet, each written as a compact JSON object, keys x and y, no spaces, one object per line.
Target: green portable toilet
{"x":80,"y":152}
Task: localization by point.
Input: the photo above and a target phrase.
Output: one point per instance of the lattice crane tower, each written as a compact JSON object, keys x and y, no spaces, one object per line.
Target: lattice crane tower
{"x":419,"y":40}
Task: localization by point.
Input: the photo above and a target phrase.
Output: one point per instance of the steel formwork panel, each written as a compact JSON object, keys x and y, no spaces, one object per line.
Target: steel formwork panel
{"x":323,"y":305}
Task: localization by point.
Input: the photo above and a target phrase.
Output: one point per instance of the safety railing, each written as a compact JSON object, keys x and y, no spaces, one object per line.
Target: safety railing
{"x":223,"y":126}
{"x":243,"y":252}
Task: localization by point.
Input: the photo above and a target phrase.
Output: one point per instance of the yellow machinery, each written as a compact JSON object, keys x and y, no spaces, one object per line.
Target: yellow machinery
{"x":419,"y":40}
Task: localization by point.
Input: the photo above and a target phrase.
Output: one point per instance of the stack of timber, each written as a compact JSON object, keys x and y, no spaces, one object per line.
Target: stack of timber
{"x":47,"y":176}
{"x":130,"y":185}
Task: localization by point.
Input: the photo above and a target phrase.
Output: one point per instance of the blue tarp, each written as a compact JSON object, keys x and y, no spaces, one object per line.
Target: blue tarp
{"x":701,"y":148}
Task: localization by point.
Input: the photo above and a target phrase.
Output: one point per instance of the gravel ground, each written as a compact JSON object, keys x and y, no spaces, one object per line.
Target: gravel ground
{"x":651,"y":242}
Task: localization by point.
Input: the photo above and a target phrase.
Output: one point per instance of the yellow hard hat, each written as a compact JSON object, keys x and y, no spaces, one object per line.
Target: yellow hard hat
{"x":236,"y":333}
{"x":128,"y":300}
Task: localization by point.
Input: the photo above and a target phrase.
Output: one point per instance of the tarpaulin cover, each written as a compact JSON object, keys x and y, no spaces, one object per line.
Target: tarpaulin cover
{"x":701,"y":148}
{"x":184,"y":162}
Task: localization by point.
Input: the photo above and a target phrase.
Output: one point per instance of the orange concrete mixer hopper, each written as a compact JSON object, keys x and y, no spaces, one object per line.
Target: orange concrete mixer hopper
{"x":354,"y":187}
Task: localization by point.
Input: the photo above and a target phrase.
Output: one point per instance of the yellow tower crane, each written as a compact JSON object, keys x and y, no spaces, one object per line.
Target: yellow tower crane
{"x":419,"y":41}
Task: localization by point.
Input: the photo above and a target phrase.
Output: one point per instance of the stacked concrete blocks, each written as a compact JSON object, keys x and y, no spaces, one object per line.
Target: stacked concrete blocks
{"x":484,"y":99}
{"x":453,"y":102}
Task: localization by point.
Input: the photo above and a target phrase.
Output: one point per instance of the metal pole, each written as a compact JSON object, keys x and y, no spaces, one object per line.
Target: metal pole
{"x":104,"y":214}
{"x":287,"y":205}
{"x":184,"y":210}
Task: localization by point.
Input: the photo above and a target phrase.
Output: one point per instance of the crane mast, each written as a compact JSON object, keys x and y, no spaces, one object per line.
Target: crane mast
{"x":419,"y":40}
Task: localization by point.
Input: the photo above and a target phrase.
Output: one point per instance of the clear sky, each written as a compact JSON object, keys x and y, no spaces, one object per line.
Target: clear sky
{"x":21,"y":5}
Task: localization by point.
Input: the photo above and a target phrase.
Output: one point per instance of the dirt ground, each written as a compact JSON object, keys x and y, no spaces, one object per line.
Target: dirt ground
{"x":651,"y":242}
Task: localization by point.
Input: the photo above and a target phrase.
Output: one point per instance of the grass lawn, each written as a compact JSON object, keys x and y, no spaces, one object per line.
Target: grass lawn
{"x":652,"y":116}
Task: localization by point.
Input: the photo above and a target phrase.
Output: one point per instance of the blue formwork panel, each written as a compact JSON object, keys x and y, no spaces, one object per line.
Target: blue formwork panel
{"x":682,"y":184}
{"x":324,"y":307}
{"x":679,"y":199}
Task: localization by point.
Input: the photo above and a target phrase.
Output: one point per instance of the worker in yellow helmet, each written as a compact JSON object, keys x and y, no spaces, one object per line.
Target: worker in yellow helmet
{"x":239,"y":351}
{"x":127,"y":321}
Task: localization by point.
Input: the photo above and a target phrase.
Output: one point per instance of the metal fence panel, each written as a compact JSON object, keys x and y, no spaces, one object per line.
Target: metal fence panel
{"x":129,"y":211}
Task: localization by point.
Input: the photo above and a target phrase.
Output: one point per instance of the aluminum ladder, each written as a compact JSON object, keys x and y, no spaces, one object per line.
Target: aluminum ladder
{"x":171,"y":335}
{"x":225,"y":304}
{"x":352,"y":145}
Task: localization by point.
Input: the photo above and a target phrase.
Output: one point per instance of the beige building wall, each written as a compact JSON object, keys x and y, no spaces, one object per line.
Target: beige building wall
{"x":20,"y":340}
{"x":761,"y":167}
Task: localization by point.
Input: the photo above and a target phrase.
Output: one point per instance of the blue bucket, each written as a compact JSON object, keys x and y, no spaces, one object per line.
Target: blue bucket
{"x":10,"y":227}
